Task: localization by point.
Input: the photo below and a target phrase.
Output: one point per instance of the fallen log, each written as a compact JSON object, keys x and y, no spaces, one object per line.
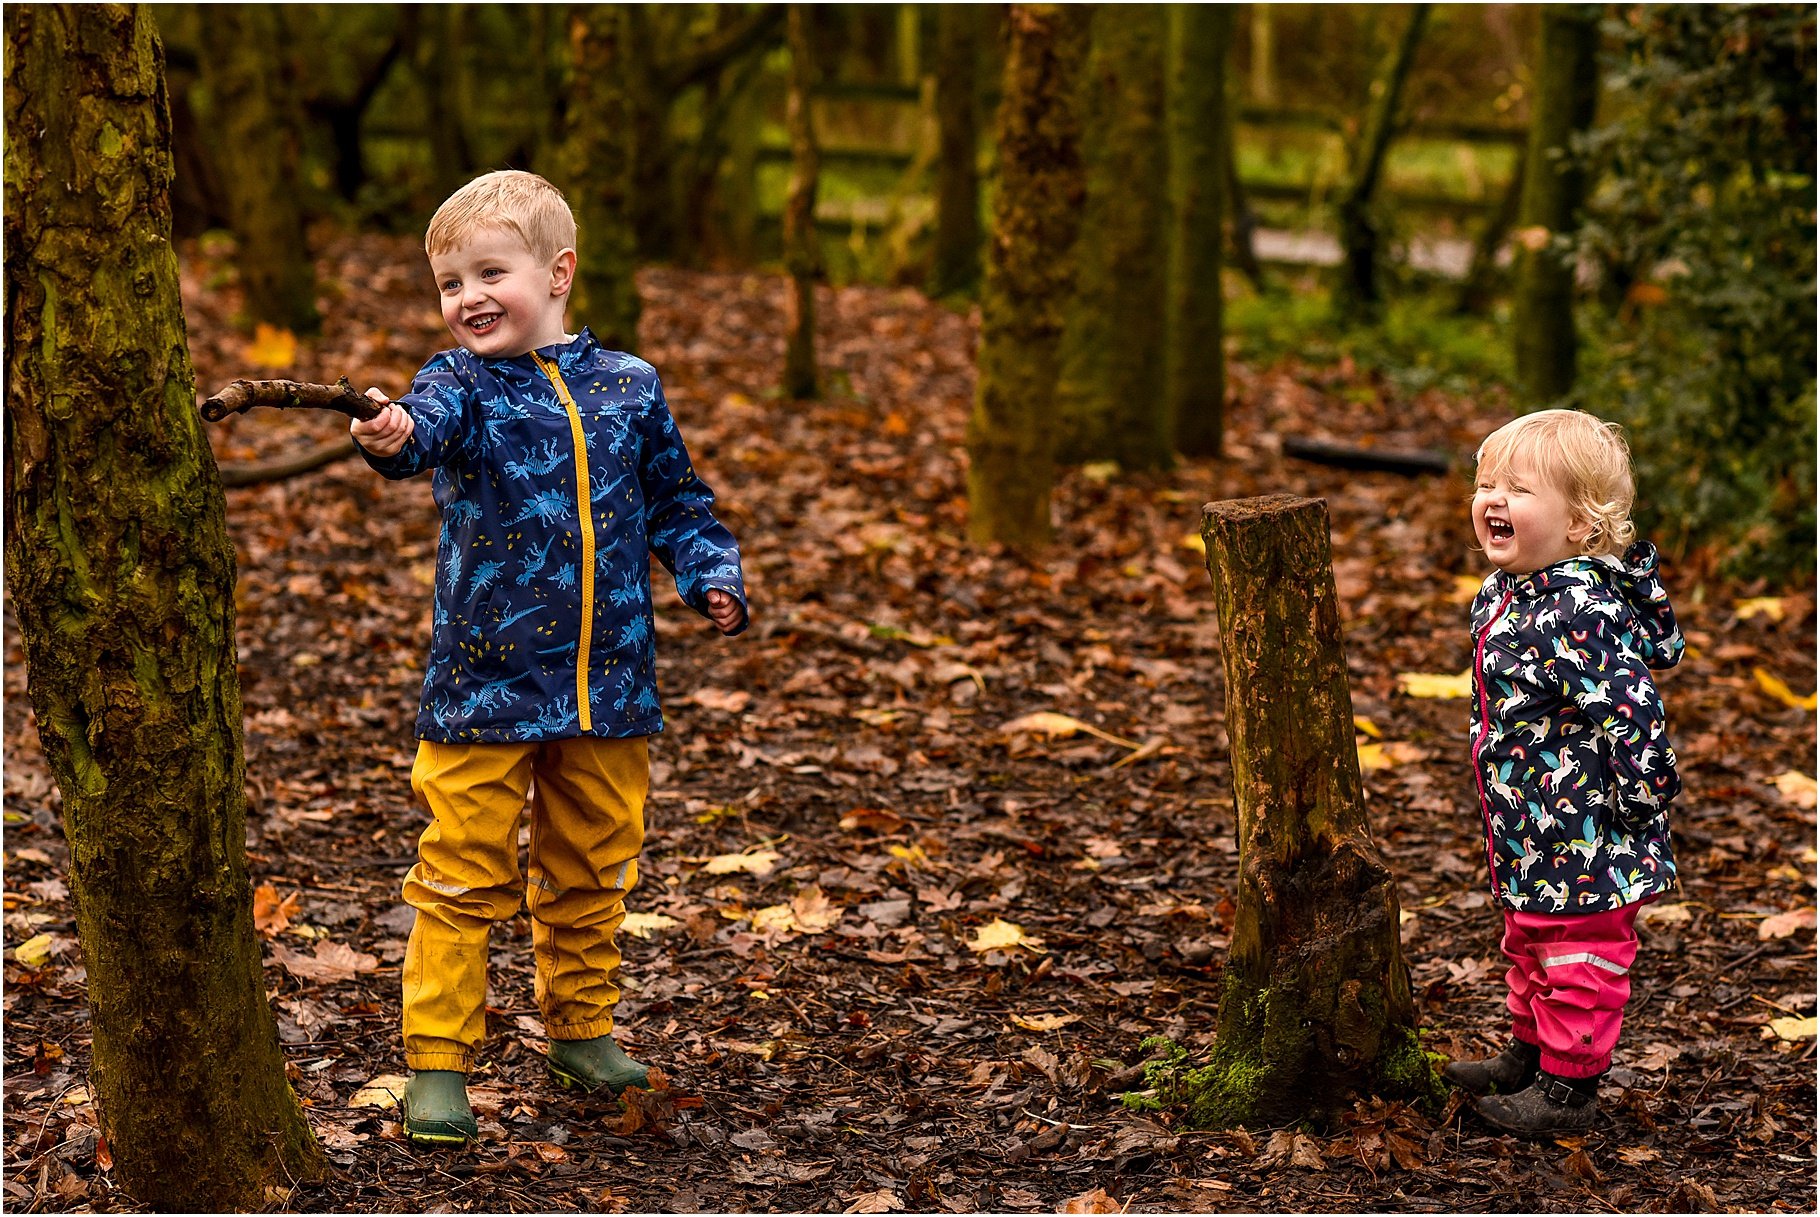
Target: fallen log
{"x":1409,"y":461}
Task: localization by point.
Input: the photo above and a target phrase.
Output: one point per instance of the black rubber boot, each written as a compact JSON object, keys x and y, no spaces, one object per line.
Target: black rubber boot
{"x":1552,"y":1105}
{"x":595,"y":1064}
{"x":436,"y":1110}
{"x":1506,"y":1073}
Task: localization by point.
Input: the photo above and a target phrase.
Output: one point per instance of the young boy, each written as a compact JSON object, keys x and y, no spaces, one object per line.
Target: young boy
{"x":557,"y":469}
{"x":1574,"y":767}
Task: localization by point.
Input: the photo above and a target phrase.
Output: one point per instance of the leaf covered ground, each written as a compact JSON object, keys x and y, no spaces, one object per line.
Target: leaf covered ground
{"x":898,"y":949}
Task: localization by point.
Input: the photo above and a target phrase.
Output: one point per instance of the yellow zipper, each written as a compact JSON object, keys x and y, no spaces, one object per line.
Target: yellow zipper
{"x":584,"y":507}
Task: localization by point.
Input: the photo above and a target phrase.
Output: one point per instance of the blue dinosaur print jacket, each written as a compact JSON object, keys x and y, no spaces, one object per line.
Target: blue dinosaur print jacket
{"x":1569,"y":739}
{"x":558,"y":473}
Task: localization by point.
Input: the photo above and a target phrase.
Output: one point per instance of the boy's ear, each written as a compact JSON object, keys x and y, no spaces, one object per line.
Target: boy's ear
{"x":562,"y":273}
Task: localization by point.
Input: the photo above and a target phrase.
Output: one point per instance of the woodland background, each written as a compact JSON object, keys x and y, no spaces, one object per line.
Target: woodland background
{"x":901,"y":948}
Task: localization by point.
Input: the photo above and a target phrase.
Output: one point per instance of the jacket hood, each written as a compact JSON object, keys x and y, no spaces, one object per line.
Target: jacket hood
{"x":1633,"y":580}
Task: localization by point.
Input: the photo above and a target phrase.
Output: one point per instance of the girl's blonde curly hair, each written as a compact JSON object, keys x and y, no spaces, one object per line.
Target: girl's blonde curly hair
{"x":1583,"y":457}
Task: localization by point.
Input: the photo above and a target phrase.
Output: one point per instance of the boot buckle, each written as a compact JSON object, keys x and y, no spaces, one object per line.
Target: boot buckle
{"x":1559,"y":1090}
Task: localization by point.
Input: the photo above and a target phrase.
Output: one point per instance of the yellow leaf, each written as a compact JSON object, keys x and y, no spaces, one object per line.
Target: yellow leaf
{"x":1665,"y":914}
{"x":382,"y":1092}
{"x":1774,"y":686}
{"x":1043,"y":1022}
{"x":1388,"y":755}
{"x":777,"y":917}
{"x":272,"y":347}
{"x":813,"y":912}
{"x":1790,"y":1029}
{"x":1371,"y":756}
{"x":1001,"y":935}
{"x":1798,"y":788}
{"x":1759,"y":606}
{"x":1196,"y":542}
{"x":758,"y":863}
{"x":1060,"y":726}
{"x":80,"y":1095}
{"x":1429,"y":684}
{"x":1465,"y":589}
{"x":643,"y":925}
{"x":34,"y":952}
{"x":911,"y":855}
{"x":1361,"y":723}
{"x":1783,"y":925}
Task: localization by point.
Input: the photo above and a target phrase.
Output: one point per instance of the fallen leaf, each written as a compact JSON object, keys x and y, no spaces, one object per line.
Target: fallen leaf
{"x":1465,"y":589}
{"x":726,"y":701}
{"x":1093,"y":1200}
{"x":1288,"y":1148}
{"x":1774,"y":686}
{"x":813,"y":912}
{"x":272,"y":347}
{"x":1796,"y":787}
{"x":758,"y":863}
{"x":1365,"y":725}
{"x":948,"y":673}
{"x":884,"y":1200}
{"x":383,"y":1092}
{"x":1001,"y":935}
{"x":1197,"y":543}
{"x":272,"y":915}
{"x":1637,"y":1155}
{"x":1758,"y":606}
{"x":884,"y":823}
{"x":1665,"y":914}
{"x":1044,"y":1022}
{"x":35,"y":951}
{"x":1579,"y":1165}
{"x":329,"y":963}
{"x":1371,"y":757}
{"x":1060,"y":726}
{"x":1782,"y":925}
{"x":1388,"y":755}
{"x":1789,"y":1029}
{"x":643,"y":925}
{"x":1430,"y":684}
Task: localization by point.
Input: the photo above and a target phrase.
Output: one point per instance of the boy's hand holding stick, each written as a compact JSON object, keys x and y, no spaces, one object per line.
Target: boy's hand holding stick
{"x":380,"y":427}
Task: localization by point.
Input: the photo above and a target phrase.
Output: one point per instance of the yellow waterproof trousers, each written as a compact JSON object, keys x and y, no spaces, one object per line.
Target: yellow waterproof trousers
{"x":587,"y":827}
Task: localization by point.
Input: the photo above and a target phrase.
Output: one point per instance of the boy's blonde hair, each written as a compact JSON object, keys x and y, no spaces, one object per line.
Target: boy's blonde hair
{"x":519,"y":202}
{"x":1583,"y":457}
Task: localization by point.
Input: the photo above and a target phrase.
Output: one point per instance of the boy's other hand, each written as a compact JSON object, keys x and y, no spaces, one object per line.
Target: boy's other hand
{"x":386,"y":434}
{"x":725,"y":611}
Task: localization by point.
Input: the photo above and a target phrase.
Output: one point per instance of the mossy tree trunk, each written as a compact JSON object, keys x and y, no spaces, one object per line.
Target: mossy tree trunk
{"x":1112,"y":386}
{"x":1361,"y":235}
{"x":1316,"y":1002}
{"x":802,"y":254}
{"x":1029,"y":276}
{"x":1554,"y":187}
{"x":119,"y":567}
{"x":955,"y":265}
{"x":435,"y":37}
{"x":1200,"y":36}
{"x":253,"y":110}
{"x":595,"y":154}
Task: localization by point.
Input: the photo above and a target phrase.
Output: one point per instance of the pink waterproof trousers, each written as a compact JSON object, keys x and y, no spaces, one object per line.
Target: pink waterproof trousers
{"x":1569,"y":979}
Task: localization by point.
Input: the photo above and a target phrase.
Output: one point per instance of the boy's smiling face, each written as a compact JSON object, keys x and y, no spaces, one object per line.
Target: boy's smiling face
{"x":1523,"y":521}
{"x":498,"y":298}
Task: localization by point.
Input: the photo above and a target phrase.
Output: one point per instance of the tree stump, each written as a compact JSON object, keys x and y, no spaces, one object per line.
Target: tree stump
{"x":1316,"y":1004}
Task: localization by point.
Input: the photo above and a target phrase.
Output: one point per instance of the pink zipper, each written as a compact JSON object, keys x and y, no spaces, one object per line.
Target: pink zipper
{"x":1478,"y":767}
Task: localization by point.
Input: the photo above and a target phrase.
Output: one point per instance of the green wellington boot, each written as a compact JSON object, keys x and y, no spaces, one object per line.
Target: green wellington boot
{"x":436,"y":1110}
{"x":596,"y":1063}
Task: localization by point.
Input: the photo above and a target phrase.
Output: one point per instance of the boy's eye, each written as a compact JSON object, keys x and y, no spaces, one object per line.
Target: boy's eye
{"x":491,"y":272}
{"x":449,"y":285}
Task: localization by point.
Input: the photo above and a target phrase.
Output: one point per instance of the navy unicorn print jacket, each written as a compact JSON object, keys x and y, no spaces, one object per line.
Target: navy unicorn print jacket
{"x":1569,"y":739}
{"x":558,"y":473}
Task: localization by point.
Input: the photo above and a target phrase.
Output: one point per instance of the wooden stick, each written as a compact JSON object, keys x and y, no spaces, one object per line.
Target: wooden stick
{"x":243,"y":395}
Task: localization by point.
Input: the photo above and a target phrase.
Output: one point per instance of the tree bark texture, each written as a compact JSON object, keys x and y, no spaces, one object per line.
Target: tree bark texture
{"x":597,"y":151}
{"x":1036,"y":211}
{"x":1475,"y":292}
{"x":253,"y":109}
{"x":120,"y":569}
{"x":1554,"y":187}
{"x":955,"y":266}
{"x":1200,"y":37}
{"x":1361,"y":236}
{"x":802,"y":254}
{"x":1316,"y":1001}
{"x":1113,"y":399}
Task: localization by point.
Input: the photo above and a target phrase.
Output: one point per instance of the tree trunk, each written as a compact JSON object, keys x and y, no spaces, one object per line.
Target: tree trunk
{"x":1554,"y":187}
{"x":119,"y":567}
{"x":1360,"y":237}
{"x":1200,"y":37}
{"x":801,"y":253}
{"x":1244,"y":220}
{"x":253,"y":110}
{"x":1263,"y":55}
{"x":1112,"y":386}
{"x":1029,"y":276}
{"x":1474,"y":295}
{"x":436,"y":37}
{"x":596,"y":152}
{"x":736,"y":193}
{"x":1316,"y":1003}
{"x":956,"y":262}
{"x":652,"y":187}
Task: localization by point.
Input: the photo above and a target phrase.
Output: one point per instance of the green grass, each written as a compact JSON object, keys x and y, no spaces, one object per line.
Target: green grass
{"x":1418,"y":343}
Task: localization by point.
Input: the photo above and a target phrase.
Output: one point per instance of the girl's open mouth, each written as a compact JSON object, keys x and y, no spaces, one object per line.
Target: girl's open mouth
{"x":1500,"y":530}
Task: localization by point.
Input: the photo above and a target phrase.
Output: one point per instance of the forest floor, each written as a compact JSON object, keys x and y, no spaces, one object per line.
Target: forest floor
{"x":837,"y":811}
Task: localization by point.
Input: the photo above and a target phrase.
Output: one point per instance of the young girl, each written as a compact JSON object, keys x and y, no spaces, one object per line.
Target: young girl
{"x":1574,"y":768}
